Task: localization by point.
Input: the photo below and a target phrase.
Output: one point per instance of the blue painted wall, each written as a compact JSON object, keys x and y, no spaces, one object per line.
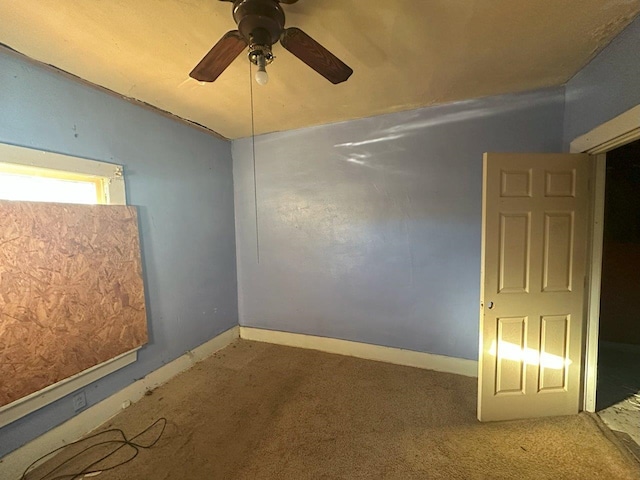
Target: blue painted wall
{"x":606,"y":87}
{"x":369,"y":230}
{"x":181,"y":180}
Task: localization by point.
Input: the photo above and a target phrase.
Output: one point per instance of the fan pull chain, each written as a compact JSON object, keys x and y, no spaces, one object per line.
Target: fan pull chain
{"x":255,"y":178}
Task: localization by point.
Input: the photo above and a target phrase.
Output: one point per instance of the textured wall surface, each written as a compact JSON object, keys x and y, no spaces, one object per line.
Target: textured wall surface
{"x":181,"y":181}
{"x":605,"y":88}
{"x":71,"y":291}
{"x":370,"y":230}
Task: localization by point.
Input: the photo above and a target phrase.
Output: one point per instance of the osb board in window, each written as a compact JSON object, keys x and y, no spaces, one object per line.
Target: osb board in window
{"x":71,"y":291}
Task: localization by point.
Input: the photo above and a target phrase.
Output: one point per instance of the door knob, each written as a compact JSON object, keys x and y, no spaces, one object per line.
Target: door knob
{"x":490,"y":305}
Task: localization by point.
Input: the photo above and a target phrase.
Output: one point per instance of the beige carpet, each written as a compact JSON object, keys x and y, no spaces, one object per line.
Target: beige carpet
{"x":258,"y":411}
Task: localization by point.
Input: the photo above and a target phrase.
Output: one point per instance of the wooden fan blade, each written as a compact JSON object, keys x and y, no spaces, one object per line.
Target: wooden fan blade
{"x":315,"y":55}
{"x":219,"y":57}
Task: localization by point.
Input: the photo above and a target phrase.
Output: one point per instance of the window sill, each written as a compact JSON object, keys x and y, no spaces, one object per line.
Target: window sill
{"x":24,"y":406}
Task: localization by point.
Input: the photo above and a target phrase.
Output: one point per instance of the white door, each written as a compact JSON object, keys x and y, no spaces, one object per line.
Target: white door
{"x":534,"y":252}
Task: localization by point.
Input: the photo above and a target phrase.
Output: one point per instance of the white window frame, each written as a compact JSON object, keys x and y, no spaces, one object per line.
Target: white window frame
{"x":115,"y":194}
{"x":114,"y":187}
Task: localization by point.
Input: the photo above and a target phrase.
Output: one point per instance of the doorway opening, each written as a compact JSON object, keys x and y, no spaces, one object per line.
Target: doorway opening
{"x":618,"y":365}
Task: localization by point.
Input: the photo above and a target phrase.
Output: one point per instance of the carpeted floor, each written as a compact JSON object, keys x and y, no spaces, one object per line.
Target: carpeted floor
{"x":259,"y":411}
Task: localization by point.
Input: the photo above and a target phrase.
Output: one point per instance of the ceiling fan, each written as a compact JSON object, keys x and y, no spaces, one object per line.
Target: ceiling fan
{"x":260,"y":25}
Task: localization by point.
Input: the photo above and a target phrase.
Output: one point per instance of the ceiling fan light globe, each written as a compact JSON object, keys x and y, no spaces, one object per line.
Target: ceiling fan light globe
{"x":262,"y":77}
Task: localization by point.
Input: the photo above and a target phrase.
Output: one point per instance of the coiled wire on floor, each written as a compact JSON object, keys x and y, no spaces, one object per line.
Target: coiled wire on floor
{"x":94,"y":466}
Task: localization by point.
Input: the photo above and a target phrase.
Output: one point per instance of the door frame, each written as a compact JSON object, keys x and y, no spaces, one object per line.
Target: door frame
{"x":619,"y":131}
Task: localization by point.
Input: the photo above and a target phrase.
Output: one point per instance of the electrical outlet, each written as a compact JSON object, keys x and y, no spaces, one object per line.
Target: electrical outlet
{"x":79,"y":401}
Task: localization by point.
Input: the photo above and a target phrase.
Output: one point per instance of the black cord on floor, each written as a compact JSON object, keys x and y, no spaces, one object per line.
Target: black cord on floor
{"x":88,"y":470}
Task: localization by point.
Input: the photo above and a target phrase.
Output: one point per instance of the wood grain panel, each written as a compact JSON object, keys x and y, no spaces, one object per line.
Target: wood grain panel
{"x":71,"y":291}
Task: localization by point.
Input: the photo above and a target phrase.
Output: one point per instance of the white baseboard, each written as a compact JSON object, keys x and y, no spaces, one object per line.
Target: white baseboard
{"x":12,"y":466}
{"x":398,"y":356}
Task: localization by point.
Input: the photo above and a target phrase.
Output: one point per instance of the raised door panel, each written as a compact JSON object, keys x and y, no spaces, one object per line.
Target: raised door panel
{"x":558,"y":251}
{"x":514,"y":253}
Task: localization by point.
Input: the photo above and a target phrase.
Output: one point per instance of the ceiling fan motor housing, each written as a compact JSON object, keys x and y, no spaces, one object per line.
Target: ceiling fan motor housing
{"x":260,"y":25}
{"x":260,"y":22}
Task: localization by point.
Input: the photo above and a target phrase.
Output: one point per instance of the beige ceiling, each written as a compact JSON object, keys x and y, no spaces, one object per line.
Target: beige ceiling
{"x":405,"y":53}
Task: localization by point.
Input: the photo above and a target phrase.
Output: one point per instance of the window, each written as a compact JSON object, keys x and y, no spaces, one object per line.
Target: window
{"x":33,"y":175}
{"x":18,"y":182}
